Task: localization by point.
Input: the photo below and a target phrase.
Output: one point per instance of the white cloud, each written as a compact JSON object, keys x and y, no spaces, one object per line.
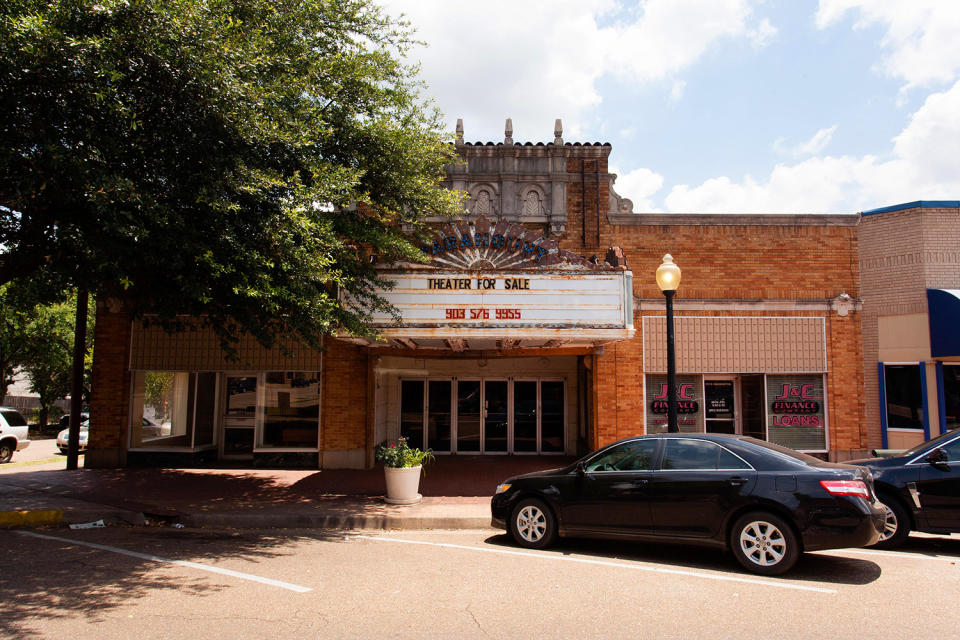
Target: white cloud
{"x":667,"y":38}
{"x":813,"y":146}
{"x":676,"y":92}
{"x":921,"y":43}
{"x":763,"y":34}
{"x":922,"y":166}
{"x":538,"y":60}
{"x":638,"y":185}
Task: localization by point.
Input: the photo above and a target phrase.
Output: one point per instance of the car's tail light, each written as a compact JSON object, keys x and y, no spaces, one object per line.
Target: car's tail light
{"x":847,"y":488}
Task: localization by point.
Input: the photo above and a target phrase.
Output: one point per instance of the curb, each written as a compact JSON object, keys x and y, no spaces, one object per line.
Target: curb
{"x":37,"y":518}
{"x":304,"y":521}
{"x":33,"y":518}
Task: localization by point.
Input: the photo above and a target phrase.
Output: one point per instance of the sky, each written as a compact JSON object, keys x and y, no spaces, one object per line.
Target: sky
{"x":714,"y":106}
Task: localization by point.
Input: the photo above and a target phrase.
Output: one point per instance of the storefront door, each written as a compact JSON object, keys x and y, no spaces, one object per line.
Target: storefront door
{"x":484,"y":416}
{"x":239,"y":418}
{"x":719,"y":400}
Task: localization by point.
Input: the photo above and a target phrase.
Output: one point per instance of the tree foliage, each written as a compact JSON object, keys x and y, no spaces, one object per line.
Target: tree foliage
{"x":203,"y":157}
{"x":36,"y":336}
{"x":48,"y":355}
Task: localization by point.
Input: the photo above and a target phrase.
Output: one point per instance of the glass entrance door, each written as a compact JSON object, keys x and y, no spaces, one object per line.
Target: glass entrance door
{"x":239,"y":417}
{"x":469,"y":412}
{"x":496,"y":416}
{"x":720,"y":412}
{"x":484,"y":416}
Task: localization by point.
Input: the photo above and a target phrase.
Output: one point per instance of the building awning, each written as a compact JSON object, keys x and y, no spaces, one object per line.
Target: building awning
{"x":943,"y":311}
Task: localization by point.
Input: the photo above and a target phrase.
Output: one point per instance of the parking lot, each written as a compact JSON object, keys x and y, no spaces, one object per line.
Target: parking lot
{"x":161,"y":582}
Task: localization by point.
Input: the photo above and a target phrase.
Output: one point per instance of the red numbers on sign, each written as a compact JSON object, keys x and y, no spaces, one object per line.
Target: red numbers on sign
{"x":483,"y":314}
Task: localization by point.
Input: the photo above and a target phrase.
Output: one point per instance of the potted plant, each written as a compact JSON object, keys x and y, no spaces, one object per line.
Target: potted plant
{"x":401,"y":466}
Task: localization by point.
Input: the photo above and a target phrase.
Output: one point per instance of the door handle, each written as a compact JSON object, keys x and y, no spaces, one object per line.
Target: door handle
{"x":641,"y":482}
{"x":736,"y":481}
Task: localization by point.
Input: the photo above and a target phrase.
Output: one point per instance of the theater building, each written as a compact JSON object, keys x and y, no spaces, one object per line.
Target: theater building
{"x":535,"y":328}
{"x":910,"y":269}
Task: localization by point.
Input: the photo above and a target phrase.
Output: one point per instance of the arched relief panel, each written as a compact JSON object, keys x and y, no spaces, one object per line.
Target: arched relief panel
{"x":532,"y":202}
{"x":484,"y":200}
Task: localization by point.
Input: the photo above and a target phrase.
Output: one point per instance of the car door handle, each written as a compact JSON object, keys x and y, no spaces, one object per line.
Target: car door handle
{"x":736,"y":481}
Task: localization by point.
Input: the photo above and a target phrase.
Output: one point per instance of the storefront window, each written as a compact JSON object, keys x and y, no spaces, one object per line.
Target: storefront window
{"x":904,"y":396}
{"x":291,"y":410}
{"x":951,"y":396}
{"x":796,"y":413}
{"x":689,"y":404}
{"x":172,"y":409}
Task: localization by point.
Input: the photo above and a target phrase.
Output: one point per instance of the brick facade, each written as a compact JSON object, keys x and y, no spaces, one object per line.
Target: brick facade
{"x":736,"y":266}
{"x":902,"y":252}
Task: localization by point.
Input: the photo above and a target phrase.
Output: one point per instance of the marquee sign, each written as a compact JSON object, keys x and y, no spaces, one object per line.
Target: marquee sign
{"x":499,"y":285}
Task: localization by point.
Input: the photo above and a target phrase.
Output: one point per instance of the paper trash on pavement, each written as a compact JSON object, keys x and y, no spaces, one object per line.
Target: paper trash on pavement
{"x":88,"y":525}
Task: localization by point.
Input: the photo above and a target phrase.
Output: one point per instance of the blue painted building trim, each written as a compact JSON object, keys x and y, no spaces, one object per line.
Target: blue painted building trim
{"x":916,"y":204}
{"x":883,"y":404}
{"x":926,"y":405}
{"x":941,"y":401}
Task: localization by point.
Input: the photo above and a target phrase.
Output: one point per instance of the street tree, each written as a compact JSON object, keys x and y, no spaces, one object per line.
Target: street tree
{"x":205,"y":157}
{"x":49,"y":353}
{"x":18,"y":303}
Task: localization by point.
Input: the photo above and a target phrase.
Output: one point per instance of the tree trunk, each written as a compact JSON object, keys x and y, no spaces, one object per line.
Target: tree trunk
{"x":76,"y":390}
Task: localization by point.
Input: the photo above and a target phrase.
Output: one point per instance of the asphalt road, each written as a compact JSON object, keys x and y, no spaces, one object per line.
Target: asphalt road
{"x":163,"y":583}
{"x":39,"y":451}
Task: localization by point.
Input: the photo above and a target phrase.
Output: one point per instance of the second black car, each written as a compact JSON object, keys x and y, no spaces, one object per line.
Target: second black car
{"x":764,"y":502}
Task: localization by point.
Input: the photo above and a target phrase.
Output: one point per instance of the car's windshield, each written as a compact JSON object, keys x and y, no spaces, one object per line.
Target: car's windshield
{"x":932,"y":443}
{"x":13,"y":418}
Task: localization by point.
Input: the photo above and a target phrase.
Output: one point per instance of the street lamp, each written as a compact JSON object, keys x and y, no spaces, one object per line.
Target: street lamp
{"x":668,"y":279}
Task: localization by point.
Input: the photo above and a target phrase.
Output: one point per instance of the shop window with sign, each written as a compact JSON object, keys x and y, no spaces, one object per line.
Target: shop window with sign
{"x":951,"y":396}
{"x":904,"y":396}
{"x":689,"y":404}
{"x":172,"y":409}
{"x":795,"y":412}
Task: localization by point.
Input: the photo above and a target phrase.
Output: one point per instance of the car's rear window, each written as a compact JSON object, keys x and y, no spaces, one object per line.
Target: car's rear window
{"x":785,"y":451}
{"x":13,"y":418}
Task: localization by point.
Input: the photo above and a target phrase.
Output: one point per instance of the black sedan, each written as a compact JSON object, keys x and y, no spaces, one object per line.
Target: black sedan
{"x":920,"y":488}
{"x":765,"y":502}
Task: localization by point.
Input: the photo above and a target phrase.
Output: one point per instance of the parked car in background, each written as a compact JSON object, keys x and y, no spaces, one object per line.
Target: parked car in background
{"x":14,"y":434}
{"x":63,"y":438}
{"x":920,"y":488}
{"x":765,"y":503}
{"x":64,"y":421}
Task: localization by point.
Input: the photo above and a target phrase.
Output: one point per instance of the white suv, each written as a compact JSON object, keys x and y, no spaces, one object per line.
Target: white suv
{"x":13,"y":433}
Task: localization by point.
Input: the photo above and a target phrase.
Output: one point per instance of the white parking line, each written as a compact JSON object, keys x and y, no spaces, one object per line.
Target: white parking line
{"x":182,"y":563}
{"x":893,"y":554}
{"x":604,"y":563}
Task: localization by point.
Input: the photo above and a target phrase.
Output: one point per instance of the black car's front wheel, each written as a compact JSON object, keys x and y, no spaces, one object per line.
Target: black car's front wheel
{"x":896,"y":524}
{"x":764,"y":543}
{"x":533,"y":525}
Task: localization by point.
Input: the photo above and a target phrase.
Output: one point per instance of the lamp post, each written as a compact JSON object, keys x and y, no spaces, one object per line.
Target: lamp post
{"x":668,"y":279}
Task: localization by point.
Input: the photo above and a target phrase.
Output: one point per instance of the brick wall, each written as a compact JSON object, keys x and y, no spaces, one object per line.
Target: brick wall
{"x":902,"y":253}
{"x":110,"y":395}
{"x":344,"y":396}
{"x":730,"y":259}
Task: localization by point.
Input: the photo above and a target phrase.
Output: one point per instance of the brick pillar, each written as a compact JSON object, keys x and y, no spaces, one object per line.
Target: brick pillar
{"x":110,"y":395}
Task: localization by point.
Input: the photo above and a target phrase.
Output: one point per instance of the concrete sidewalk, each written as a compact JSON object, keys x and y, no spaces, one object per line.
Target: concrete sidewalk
{"x":456,"y":496}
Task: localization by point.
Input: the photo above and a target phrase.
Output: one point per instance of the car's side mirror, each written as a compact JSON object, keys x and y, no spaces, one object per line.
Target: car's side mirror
{"x":581,"y":470}
{"x":937,"y":457}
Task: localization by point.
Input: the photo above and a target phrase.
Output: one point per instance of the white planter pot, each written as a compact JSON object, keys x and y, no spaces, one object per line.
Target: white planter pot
{"x":402,"y":484}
